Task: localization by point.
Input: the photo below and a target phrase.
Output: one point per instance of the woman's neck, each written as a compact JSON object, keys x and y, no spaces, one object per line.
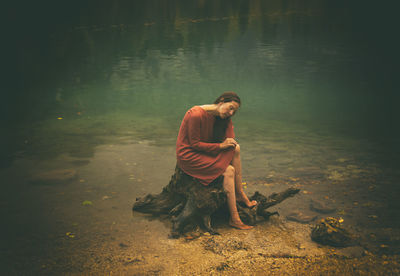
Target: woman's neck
{"x":210,"y":109}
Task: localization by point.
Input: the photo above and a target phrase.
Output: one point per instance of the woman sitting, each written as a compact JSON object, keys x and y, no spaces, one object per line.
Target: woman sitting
{"x":206,"y":149}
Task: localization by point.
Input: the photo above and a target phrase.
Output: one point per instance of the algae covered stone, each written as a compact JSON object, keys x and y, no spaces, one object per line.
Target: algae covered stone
{"x":329,"y":231}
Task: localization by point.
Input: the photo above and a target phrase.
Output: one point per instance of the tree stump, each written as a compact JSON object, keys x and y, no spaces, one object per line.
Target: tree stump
{"x":190,"y":203}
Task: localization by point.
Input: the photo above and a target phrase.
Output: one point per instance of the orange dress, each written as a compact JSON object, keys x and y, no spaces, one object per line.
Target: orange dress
{"x":196,"y":155}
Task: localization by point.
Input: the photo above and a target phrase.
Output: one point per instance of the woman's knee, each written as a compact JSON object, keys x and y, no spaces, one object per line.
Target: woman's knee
{"x":237,"y":149}
{"x":229,"y":171}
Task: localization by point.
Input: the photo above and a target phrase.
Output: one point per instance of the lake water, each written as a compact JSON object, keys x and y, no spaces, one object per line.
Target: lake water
{"x":102,"y":91}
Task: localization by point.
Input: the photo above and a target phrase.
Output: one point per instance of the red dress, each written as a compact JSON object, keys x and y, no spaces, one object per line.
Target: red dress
{"x":196,"y":154}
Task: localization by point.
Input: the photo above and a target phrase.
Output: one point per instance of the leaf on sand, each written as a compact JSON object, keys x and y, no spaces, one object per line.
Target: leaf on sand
{"x":87,"y":203}
{"x":70,"y":235}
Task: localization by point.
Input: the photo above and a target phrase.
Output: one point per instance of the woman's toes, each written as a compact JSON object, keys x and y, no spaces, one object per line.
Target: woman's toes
{"x":252,"y":203}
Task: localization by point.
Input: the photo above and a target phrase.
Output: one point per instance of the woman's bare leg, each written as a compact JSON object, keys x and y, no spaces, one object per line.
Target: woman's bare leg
{"x":240,"y":195}
{"x":229,"y":187}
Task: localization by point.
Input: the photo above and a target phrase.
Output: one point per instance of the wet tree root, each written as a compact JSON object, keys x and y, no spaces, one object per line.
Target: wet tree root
{"x":189,"y":203}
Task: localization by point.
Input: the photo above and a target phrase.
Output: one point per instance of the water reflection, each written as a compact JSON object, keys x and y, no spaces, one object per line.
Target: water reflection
{"x":85,"y":47}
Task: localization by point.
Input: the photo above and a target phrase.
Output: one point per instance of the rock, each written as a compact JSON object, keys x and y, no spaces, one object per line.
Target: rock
{"x":301,"y":246}
{"x":329,"y":231}
{"x":54,"y":177}
{"x":300,"y":217}
{"x":321,"y":207}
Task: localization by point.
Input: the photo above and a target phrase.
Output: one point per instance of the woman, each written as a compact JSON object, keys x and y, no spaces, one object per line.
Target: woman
{"x":206,"y":149}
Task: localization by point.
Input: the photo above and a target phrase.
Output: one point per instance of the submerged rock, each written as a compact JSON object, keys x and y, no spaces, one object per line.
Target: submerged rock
{"x":54,"y":177}
{"x":321,"y":207}
{"x":329,"y":231}
{"x":300,"y":217}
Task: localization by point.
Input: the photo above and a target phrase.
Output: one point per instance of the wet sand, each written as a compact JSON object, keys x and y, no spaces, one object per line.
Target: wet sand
{"x":85,"y":225}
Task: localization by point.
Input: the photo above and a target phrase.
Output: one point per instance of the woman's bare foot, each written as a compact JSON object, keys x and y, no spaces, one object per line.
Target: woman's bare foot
{"x":248,"y":203}
{"x":251,"y":204}
{"x":239,"y":225}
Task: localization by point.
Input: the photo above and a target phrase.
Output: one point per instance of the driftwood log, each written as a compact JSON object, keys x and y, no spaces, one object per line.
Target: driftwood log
{"x":189,"y":203}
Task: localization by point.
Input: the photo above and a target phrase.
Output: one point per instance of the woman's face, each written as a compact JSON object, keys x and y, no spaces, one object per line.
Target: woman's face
{"x":227,"y":109}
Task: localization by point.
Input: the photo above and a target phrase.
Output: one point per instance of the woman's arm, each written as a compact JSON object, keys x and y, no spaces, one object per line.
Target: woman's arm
{"x":229,"y":130}
{"x":194,"y":129}
{"x":229,"y":141}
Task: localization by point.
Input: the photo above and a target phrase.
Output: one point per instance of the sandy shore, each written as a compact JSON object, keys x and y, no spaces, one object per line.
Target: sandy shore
{"x":86,"y":226}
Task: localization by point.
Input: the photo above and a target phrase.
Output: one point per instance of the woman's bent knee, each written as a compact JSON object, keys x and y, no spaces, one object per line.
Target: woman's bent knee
{"x":237,"y":149}
{"x":230,"y":171}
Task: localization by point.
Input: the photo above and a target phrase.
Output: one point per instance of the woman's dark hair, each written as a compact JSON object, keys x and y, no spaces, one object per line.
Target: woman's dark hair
{"x":228,"y":97}
{"x":220,"y":124}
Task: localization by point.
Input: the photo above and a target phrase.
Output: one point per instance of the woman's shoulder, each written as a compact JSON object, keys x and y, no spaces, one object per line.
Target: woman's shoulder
{"x":197,"y":111}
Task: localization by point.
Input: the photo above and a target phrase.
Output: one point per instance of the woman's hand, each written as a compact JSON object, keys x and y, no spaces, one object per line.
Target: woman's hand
{"x":228,"y":143}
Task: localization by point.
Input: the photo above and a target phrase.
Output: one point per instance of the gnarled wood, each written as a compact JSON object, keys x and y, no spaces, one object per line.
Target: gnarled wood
{"x":190,"y":203}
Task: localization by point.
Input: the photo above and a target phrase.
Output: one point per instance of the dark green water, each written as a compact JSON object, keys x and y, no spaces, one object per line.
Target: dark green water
{"x":312,"y":65}
{"x":316,"y":80}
